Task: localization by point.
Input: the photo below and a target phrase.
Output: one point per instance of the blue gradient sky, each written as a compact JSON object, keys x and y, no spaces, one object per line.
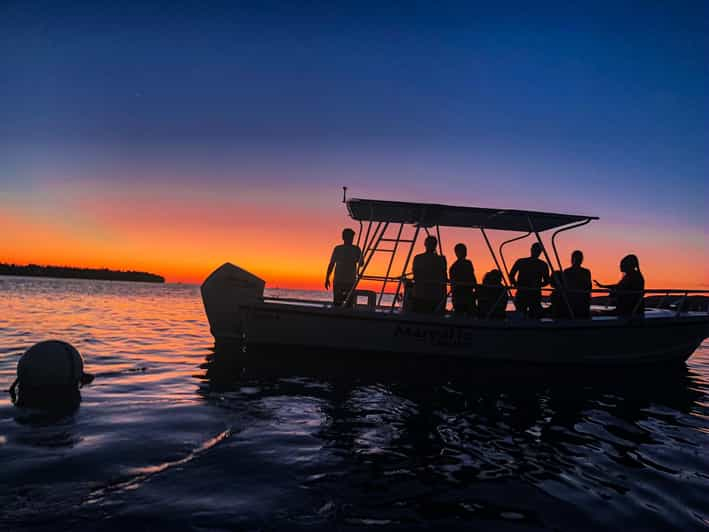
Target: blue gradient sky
{"x":599,"y":108}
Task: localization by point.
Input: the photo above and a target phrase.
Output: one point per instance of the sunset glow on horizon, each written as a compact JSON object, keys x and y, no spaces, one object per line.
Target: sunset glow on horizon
{"x":185,"y":237}
{"x":175,"y":142}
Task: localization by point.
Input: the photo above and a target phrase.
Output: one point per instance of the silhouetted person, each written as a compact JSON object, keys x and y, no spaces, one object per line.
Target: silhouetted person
{"x":628,"y":293}
{"x":528,"y":275}
{"x":429,"y":279}
{"x":492,"y":296}
{"x":462,"y":278}
{"x":344,"y":260}
{"x":577,"y":280}
{"x":558,"y":308}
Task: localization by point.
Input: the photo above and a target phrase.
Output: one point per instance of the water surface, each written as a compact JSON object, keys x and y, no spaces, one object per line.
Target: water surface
{"x":172,"y":435}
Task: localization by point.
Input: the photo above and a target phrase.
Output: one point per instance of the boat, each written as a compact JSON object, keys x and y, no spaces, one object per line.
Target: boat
{"x":378,"y":319}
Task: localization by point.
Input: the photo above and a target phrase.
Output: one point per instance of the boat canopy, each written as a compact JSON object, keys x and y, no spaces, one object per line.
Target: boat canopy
{"x":432,"y":214}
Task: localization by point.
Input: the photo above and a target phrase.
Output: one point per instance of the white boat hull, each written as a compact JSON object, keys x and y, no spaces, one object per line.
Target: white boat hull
{"x":666,"y":338}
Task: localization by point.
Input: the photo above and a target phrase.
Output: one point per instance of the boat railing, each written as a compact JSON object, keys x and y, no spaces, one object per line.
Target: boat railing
{"x":665,"y":298}
{"x":297,"y":300}
{"x":672,"y":299}
{"x":678,"y":297}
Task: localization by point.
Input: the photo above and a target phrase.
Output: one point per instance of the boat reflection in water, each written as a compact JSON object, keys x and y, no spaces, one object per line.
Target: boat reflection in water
{"x":452,"y":443}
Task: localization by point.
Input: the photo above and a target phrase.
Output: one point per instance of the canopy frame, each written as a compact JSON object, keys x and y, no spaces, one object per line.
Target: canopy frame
{"x":430,"y":215}
{"x":379,"y":216}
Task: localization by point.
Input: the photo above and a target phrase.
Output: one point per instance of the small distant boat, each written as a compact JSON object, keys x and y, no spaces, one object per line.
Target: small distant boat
{"x":377,"y":322}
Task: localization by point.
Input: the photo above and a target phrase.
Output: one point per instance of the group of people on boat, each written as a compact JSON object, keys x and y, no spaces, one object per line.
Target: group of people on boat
{"x":428,"y":293}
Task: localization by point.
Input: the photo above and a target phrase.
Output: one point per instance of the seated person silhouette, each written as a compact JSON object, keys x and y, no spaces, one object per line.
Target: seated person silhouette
{"x":492,"y":296}
{"x":429,"y":294}
{"x":559,"y":307}
{"x":345,"y":258}
{"x":462,"y":278}
{"x":628,"y":293}
{"x":528,"y":275}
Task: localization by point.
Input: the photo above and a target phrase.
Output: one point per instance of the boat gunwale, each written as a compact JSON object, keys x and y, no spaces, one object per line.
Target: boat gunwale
{"x":452,"y":320}
{"x":613,"y":360}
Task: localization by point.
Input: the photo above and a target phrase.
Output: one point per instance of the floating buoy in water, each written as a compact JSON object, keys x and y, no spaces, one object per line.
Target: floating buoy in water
{"x":49,"y":372}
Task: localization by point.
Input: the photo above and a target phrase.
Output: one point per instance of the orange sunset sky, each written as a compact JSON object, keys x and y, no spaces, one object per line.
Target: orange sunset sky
{"x":284,"y":234}
{"x":132,"y":138}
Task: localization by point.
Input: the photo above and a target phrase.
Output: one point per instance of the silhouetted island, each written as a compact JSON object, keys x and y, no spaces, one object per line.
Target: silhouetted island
{"x":65,"y":272}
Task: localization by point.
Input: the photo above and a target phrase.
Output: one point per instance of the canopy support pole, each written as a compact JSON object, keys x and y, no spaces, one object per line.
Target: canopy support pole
{"x":371,"y":249}
{"x":366,"y":238}
{"x":502,"y":256}
{"x":391,"y":261}
{"x":406,"y":265}
{"x":561,"y":288}
{"x":558,"y":260}
{"x":553,"y":239}
{"x":494,"y":258}
{"x":438,"y":236}
{"x":374,"y":244}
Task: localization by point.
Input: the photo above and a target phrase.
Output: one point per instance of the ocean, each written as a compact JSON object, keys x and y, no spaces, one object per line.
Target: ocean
{"x":172,"y":435}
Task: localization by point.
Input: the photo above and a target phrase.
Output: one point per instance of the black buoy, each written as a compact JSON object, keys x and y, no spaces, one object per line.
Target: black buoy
{"x":49,"y":374}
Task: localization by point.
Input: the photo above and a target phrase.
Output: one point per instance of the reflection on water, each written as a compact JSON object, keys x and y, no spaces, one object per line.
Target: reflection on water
{"x":406,"y":444}
{"x":174,"y":435}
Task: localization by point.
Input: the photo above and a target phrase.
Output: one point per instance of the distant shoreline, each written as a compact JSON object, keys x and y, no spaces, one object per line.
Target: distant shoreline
{"x":66,"y":272}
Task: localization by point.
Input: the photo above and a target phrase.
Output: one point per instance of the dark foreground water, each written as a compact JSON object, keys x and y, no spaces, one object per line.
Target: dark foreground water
{"x":174,"y":436}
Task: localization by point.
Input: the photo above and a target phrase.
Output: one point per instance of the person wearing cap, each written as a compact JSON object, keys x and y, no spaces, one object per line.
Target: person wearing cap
{"x":344,"y":260}
{"x":49,"y":375}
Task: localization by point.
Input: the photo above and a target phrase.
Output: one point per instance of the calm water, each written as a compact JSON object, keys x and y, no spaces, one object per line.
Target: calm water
{"x":173,"y":435}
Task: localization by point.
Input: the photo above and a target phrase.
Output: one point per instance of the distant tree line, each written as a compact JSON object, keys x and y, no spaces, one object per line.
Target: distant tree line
{"x":66,"y":272}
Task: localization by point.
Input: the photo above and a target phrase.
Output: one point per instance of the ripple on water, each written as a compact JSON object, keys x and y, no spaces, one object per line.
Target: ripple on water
{"x":172,"y":434}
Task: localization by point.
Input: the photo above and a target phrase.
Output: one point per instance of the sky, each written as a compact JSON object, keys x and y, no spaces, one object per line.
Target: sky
{"x":175,"y":136}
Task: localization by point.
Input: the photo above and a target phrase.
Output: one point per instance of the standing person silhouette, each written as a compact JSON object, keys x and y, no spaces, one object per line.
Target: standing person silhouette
{"x":429,"y":279}
{"x":463,"y":282}
{"x":528,"y":275}
{"x":345,"y":258}
{"x":577,"y":280}
{"x":629,"y":292}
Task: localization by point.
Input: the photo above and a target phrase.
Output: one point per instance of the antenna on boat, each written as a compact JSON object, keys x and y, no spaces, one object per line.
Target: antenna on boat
{"x":344,"y":194}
